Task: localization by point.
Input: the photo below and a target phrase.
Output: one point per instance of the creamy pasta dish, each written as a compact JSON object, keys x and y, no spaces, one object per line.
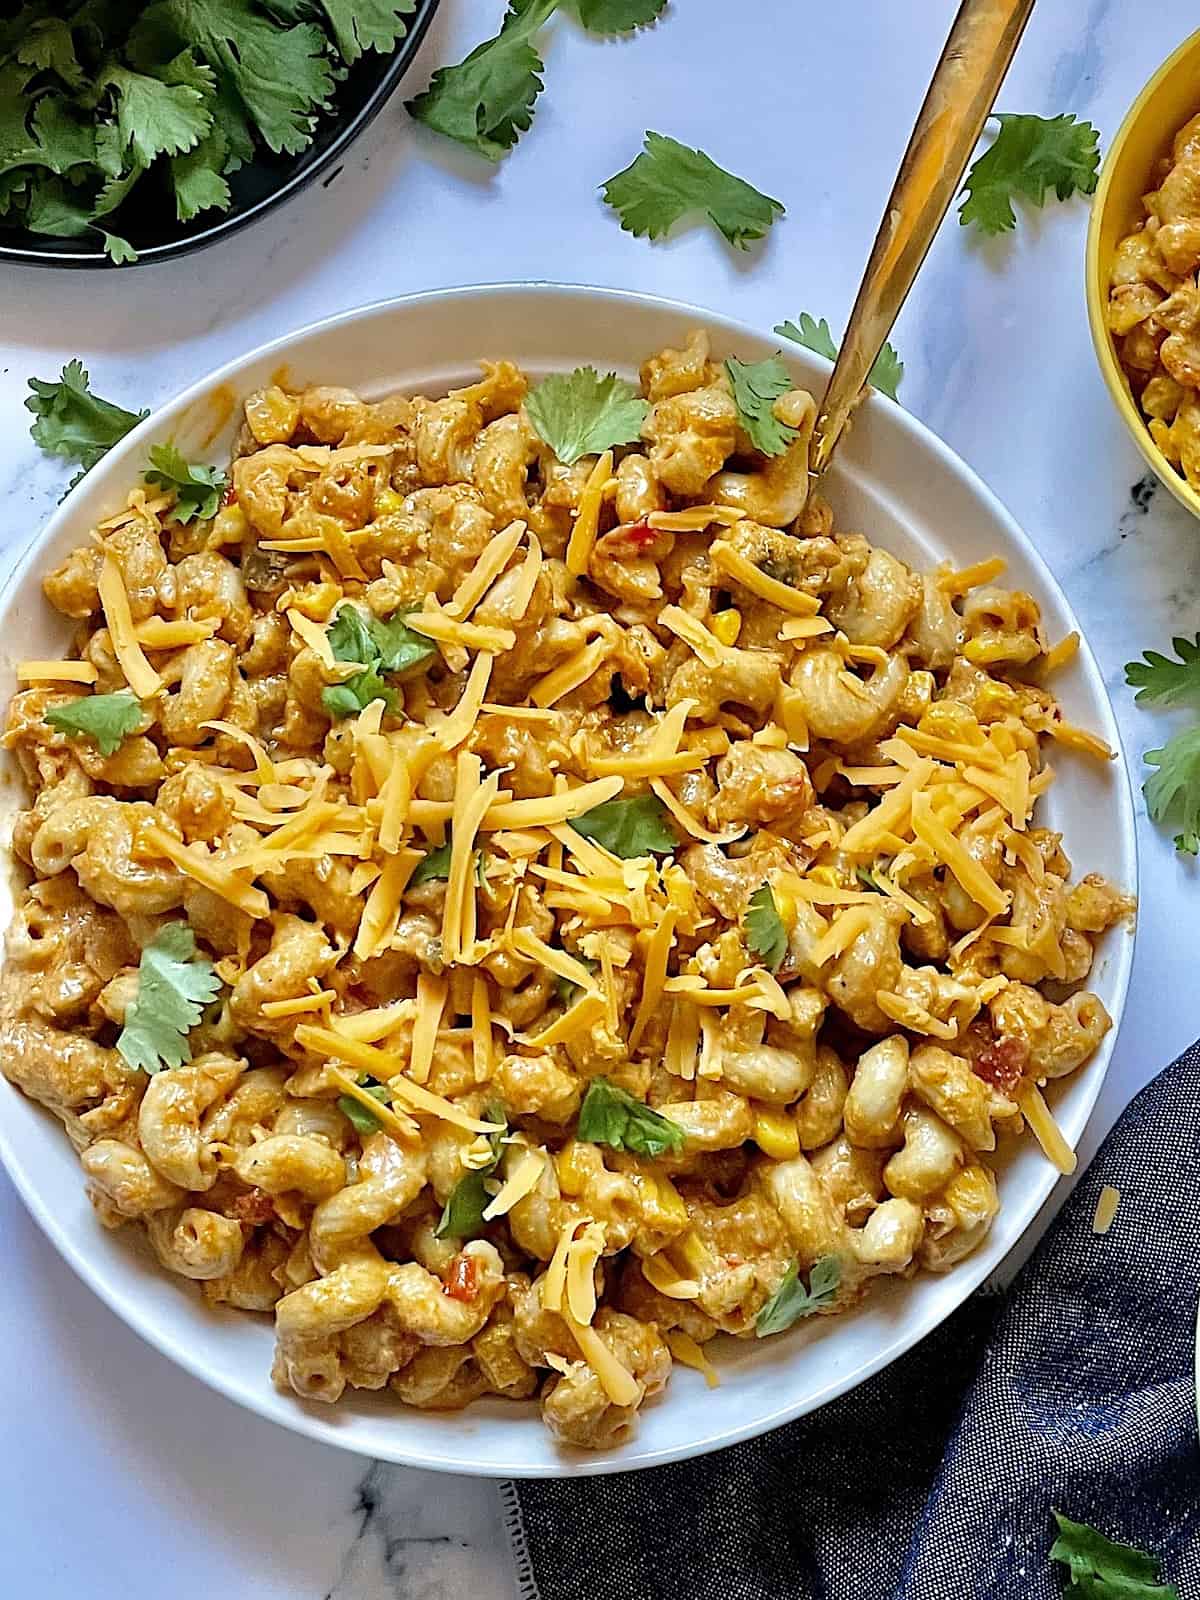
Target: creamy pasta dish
{"x":1154,"y":305}
{"x":513,"y":892}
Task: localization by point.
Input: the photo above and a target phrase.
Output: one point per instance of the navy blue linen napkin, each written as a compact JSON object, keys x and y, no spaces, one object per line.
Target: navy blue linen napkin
{"x":935,"y":1480}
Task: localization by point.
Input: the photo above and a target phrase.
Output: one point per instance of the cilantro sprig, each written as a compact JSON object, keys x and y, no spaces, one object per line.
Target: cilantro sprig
{"x":630,"y":828}
{"x":378,"y":645}
{"x":106,"y":719}
{"x":1028,"y":156}
{"x":1172,"y":790}
{"x":885,"y":373}
{"x":610,"y":1115}
{"x":580,"y":413}
{"x":793,"y":1300}
{"x":766,"y":935}
{"x":72,"y":422}
{"x":669,"y":181}
{"x":174,"y":986}
{"x":98,"y":101}
{"x":198,"y":489}
{"x":756,"y":387}
{"x":486,"y":101}
{"x":1101,"y":1569}
{"x":462,"y":1215}
{"x":1159,"y":681}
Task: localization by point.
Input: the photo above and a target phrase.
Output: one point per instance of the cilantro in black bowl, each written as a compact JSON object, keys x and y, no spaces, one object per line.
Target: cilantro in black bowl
{"x":134,"y":132}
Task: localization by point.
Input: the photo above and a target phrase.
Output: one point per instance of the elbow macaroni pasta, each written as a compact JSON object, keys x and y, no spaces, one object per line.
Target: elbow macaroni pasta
{"x":806,"y":713}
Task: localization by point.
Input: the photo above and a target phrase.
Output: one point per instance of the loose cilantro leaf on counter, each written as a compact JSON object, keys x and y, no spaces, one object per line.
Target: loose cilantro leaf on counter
{"x":360,"y":1117}
{"x":629,"y":828}
{"x":756,"y":387}
{"x":1028,"y":156}
{"x":580,"y":413}
{"x":669,"y":181}
{"x":886,"y":373}
{"x":1103,"y":1570}
{"x":174,"y":986}
{"x":618,"y":16}
{"x":1163,"y":682}
{"x":613,"y":1117}
{"x":1173,"y":791}
{"x":486,"y":101}
{"x":792,"y":1301}
{"x":462,"y":1215}
{"x":103,"y":718}
{"x":198,"y":489}
{"x":766,"y":935}
{"x":73,"y":422}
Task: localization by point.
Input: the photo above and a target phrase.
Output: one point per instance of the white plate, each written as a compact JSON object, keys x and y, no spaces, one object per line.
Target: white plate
{"x":895,"y":482}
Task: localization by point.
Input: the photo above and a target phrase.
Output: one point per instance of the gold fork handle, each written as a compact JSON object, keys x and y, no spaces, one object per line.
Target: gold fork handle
{"x":957,"y":104}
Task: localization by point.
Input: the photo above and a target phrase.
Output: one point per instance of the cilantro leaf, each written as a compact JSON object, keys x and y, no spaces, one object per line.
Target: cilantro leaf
{"x":435,"y":865}
{"x":669,"y":181}
{"x":198,"y":490}
{"x":280,"y":76}
{"x":72,"y":421}
{"x":462,"y":1215}
{"x":1163,"y":682}
{"x":50,"y":47}
{"x":355,"y":695}
{"x":629,"y":828}
{"x":156,"y":118}
{"x":174,"y":986}
{"x":360,"y":1118}
{"x":1173,"y":792}
{"x":1103,"y":1570}
{"x":397,"y":646}
{"x":613,"y":1117}
{"x":618,"y":16}
{"x":1028,"y":156}
{"x":381,"y":645}
{"x":765,"y":933}
{"x":756,"y":387}
{"x":885,"y":374}
{"x":360,"y":25}
{"x":580,"y":413}
{"x":103,"y":718}
{"x":486,"y":101}
{"x":197,"y":178}
{"x":792,"y":1301}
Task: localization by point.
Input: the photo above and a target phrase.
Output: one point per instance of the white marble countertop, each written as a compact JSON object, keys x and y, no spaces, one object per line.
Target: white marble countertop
{"x":123,"y":1476}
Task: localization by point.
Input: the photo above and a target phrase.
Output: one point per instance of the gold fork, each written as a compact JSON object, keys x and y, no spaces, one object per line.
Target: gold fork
{"x":960,"y":97}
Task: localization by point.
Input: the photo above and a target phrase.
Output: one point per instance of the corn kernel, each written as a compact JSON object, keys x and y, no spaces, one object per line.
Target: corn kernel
{"x":388,"y":502}
{"x":572,"y":1172}
{"x":727,"y":625}
{"x":785,"y":904}
{"x":670,"y":1201}
{"x":775,"y":1133}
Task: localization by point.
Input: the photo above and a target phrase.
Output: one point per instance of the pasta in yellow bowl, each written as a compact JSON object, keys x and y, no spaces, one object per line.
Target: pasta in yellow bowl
{"x":518,"y":891}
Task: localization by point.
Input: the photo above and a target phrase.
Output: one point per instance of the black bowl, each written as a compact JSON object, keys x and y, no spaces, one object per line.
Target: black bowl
{"x":256,"y":188}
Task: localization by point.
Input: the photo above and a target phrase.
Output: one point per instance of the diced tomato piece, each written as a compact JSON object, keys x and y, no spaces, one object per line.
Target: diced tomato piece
{"x":640,"y":534}
{"x":230,"y":497}
{"x":462,"y":1281}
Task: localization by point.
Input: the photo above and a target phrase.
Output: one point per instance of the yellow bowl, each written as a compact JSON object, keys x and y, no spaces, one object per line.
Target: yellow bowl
{"x":1170,"y":98}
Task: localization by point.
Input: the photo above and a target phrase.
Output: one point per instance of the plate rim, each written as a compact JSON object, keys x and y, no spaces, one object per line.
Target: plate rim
{"x":968,"y":1274}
